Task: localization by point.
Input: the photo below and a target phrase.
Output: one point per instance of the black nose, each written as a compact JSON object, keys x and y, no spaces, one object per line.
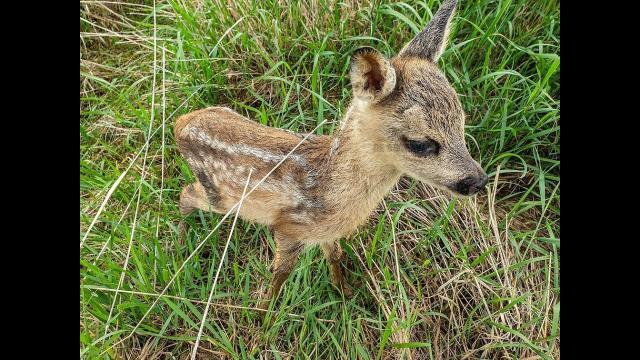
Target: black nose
{"x":471,"y":184}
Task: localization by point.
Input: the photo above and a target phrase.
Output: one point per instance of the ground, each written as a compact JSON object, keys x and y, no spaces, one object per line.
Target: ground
{"x":434,"y":277}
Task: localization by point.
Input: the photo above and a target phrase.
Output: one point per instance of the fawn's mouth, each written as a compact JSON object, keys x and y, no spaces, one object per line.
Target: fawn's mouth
{"x":470,"y":193}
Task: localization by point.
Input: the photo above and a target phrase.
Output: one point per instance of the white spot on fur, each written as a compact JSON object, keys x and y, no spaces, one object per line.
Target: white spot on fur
{"x":243,"y":149}
{"x":237,"y":173}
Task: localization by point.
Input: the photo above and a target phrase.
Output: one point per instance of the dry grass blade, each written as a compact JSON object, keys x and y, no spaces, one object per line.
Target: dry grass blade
{"x":215,"y":279}
{"x":142,"y":176}
{"x":164,"y":119}
{"x":202,"y":302}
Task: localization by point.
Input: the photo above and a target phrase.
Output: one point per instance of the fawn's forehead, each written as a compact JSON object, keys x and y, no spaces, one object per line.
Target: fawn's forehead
{"x":422,"y":91}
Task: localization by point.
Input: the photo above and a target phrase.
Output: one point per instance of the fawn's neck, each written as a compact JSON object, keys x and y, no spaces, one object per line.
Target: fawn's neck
{"x":360,"y":177}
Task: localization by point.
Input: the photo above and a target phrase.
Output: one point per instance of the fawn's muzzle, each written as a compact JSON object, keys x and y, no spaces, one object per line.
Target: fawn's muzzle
{"x":471,"y":184}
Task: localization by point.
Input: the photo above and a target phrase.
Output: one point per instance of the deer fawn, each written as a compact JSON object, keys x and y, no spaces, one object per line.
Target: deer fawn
{"x":405,"y":118}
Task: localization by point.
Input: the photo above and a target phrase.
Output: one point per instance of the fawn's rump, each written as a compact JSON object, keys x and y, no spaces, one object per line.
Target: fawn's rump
{"x":222,"y":147}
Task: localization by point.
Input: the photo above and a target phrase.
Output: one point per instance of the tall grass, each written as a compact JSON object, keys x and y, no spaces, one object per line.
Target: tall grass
{"x":434,"y":277}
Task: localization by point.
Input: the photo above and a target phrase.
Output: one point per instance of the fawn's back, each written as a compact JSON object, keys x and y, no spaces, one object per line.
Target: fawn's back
{"x":221,"y":146}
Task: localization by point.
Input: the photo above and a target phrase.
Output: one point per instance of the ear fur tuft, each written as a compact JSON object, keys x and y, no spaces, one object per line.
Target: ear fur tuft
{"x":372,"y":76}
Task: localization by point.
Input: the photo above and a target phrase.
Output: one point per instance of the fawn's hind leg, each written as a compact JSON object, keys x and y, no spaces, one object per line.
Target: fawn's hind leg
{"x":334,"y":254}
{"x":286,"y":258}
{"x":192,"y":197}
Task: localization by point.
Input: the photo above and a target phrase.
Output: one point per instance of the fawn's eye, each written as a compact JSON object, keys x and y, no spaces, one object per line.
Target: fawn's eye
{"x":422,"y":147}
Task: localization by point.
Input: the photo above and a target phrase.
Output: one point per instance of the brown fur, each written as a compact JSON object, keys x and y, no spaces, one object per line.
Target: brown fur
{"x":330,"y":184}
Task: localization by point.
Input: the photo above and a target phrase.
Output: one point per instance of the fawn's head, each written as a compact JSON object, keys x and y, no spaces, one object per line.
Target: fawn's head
{"x":409,"y":109}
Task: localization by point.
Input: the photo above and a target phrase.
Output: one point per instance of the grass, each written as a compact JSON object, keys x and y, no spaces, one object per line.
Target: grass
{"x":434,"y":277}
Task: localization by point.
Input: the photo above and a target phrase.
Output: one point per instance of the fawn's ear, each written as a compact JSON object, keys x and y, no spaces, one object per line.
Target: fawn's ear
{"x":372,"y":76}
{"x":431,"y":42}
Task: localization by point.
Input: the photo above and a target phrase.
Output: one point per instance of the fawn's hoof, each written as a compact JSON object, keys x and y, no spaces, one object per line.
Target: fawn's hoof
{"x":263,"y":307}
{"x":347,"y":291}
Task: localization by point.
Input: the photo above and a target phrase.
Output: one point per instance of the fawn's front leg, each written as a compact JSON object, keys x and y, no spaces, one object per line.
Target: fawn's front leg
{"x":286,"y":258}
{"x":334,"y":254}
